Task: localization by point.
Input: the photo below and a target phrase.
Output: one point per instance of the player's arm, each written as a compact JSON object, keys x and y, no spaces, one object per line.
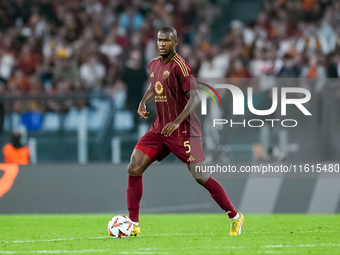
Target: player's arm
{"x":193,"y":102}
{"x":142,"y":105}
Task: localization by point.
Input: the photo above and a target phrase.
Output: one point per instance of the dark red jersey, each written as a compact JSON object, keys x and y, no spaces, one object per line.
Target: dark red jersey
{"x":170,"y":81}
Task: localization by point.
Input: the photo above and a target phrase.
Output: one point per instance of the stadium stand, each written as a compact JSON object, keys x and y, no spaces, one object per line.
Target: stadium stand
{"x":53,"y":51}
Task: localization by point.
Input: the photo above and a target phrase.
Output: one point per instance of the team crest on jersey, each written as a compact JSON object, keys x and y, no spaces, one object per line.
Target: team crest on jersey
{"x":152,"y":75}
{"x":159,"y":87}
{"x":166,"y":74}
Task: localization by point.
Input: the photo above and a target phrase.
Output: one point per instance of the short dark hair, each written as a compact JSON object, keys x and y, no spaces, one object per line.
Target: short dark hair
{"x":169,"y":29}
{"x":16,"y":139}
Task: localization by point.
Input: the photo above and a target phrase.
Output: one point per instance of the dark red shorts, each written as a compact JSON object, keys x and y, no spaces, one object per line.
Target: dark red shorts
{"x":188,"y":149}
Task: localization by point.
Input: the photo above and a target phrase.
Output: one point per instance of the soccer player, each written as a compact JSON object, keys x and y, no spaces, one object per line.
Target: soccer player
{"x":176,"y":129}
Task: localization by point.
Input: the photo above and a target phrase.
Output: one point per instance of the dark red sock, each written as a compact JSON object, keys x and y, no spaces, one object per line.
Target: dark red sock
{"x":134,"y":195}
{"x":220,"y":196}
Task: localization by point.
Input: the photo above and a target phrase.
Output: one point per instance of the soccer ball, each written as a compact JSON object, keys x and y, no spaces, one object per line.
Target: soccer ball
{"x":120,"y":226}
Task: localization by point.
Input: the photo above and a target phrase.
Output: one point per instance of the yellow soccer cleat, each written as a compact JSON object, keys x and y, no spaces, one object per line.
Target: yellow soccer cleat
{"x":236,"y":225}
{"x":136,"y":230}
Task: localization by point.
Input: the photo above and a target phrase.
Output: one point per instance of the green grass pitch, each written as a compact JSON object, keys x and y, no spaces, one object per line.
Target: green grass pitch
{"x":170,"y":234}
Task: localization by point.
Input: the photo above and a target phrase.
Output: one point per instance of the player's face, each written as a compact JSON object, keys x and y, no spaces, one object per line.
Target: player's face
{"x":166,"y":43}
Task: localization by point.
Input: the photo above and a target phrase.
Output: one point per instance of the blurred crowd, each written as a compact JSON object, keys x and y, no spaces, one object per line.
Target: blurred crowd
{"x":289,"y":38}
{"x":77,"y":46}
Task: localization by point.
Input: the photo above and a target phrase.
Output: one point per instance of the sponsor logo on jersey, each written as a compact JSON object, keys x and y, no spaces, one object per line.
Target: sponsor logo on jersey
{"x":159,"y":87}
{"x":161,"y":99}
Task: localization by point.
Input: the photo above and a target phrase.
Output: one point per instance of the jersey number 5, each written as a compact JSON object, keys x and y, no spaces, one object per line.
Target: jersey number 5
{"x":186,"y":144}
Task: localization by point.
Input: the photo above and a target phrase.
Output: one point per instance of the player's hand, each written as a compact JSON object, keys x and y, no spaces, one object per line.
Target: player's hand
{"x":169,"y":128}
{"x":142,"y":112}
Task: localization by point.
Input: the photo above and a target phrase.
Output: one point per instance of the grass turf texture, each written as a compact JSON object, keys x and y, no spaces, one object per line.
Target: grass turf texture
{"x":170,"y":234}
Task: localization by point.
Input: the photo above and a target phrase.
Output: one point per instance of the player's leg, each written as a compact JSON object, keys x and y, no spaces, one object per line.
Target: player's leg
{"x":139,"y":162}
{"x":214,"y":187}
{"x":219,"y":195}
{"x":190,"y":151}
{"x":148,"y":149}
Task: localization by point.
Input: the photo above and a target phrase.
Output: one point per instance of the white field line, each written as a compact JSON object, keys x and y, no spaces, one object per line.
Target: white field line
{"x":148,"y":250}
{"x":301,"y":245}
{"x":54,"y":251}
{"x":158,"y":235}
{"x":54,"y":240}
{"x":270,"y":246}
{"x":80,"y":251}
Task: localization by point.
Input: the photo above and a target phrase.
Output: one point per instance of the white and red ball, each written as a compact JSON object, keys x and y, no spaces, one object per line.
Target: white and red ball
{"x":120,"y":226}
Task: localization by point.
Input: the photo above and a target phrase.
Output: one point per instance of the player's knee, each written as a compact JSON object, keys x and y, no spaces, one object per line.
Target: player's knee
{"x":134,"y":170}
{"x":201,"y":179}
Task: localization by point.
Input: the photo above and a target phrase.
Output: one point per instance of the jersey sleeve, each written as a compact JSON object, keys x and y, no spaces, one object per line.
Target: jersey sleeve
{"x":185,"y":77}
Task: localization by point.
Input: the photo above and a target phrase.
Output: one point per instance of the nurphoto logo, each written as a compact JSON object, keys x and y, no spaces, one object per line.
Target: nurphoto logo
{"x":239,"y":105}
